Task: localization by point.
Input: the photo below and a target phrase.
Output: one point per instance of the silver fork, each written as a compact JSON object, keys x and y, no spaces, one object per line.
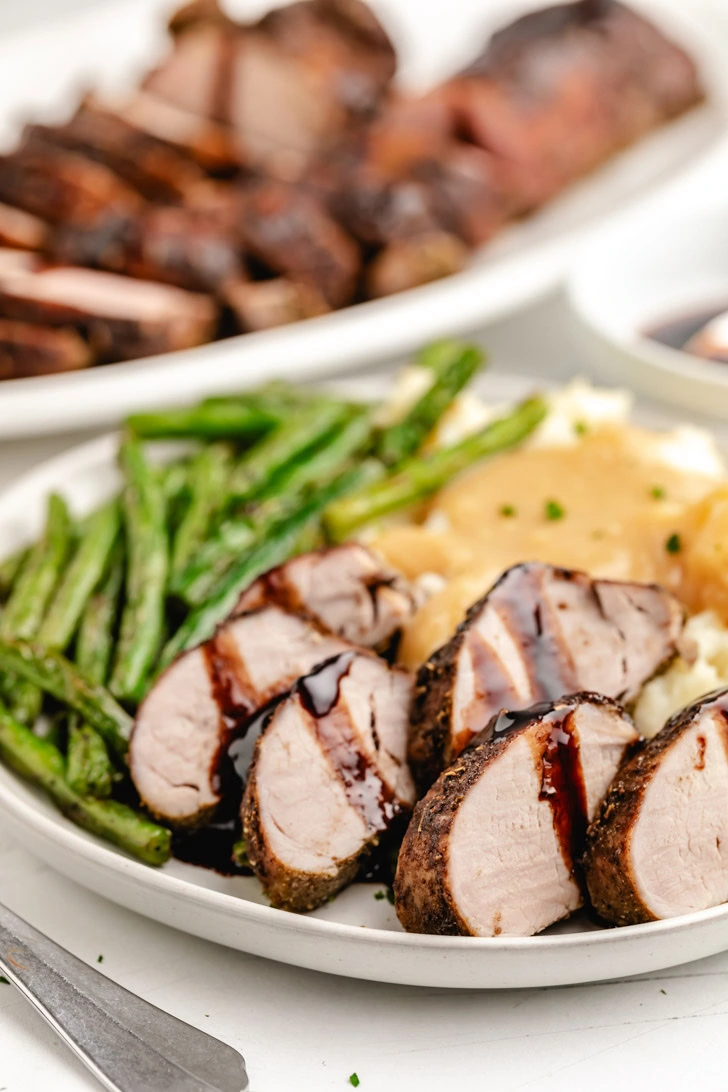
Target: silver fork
{"x":128,"y":1044}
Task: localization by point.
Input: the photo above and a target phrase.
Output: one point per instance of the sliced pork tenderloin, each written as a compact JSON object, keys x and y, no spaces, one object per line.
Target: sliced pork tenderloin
{"x":260,"y":305}
{"x":34,"y":350}
{"x":292,"y":234}
{"x":409,"y":263}
{"x":659,"y":846}
{"x":347,"y":589}
{"x":329,"y":776}
{"x":493,"y":848}
{"x":122,"y":317}
{"x":206,"y":698}
{"x":540,"y":632}
{"x":21,"y":229}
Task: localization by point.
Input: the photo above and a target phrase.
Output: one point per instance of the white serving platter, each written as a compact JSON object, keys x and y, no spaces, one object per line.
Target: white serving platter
{"x":43,"y":71}
{"x":356,"y":935}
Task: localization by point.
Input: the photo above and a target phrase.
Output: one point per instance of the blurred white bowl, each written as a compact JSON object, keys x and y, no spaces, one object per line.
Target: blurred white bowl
{"x":650,"y":270}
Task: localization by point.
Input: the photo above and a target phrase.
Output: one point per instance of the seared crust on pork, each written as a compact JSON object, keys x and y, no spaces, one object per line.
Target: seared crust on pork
{"x":651,"y":809}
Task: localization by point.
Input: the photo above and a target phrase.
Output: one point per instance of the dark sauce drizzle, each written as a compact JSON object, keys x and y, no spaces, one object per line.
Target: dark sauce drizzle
{"x":562,"y":777}
{"x":319,"y":694}
{"x":677,"y":332}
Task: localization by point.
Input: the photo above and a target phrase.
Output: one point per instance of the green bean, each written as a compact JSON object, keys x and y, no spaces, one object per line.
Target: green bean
{"x":282,"y":496}
{"x":56,"y":675}
{"x":208,"y":477}
{"x":41,"y":762}
{"x":10,"y":567}
{"x":95,"y":640}
{"x":76,"y":584}
{"x":420,"y":477}
{"x":275,"y":546}
{"x":88,"y":769}
{"x":87,"y":566}
{"x":299,"y":434}
{"x":221,"y":421}
{"x":142,"y":621}
{"x":405,"y":437}
{"x":28,"y":601}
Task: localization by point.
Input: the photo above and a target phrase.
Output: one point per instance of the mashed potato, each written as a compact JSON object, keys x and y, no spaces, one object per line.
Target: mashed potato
{"x":702,"y":669}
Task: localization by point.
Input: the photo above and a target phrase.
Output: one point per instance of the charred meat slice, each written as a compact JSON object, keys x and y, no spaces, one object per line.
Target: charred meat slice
{"x":123,"y":318}
{"x":558,"y":91}
{"x":58,"y":186}
{"x":208,"y":144}
{"x":292,"y":234}
{"x":347,"y":589}
{"x":34,"y":350}
{"x":21,"y":229}
{"x":494,"y":846}
{"x":184,"y":247}
{"x":152,"y":166}
{"x":539,"y":633}
{"x":259,"y":305}
{"x":342,"y":43}
{"x":329,"y":775}
{"x":659,"y":846}
{"x":206,"y":698}
{"x":408,"y":263}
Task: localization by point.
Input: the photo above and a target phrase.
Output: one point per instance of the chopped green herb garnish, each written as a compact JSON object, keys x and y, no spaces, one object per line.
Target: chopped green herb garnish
{"x":507,"y":510}
{"x":657,"y":492}
{"x":673,"y":544}
{"x":379,"y":895}
{"x":664,"y":991}
{"x":100,"y":959}
{"x":3,"y":980}
{"x":553,"y":510}
{"x":390,"y":895}
{"x":354,"y":1080}
{"x":581,"y":428}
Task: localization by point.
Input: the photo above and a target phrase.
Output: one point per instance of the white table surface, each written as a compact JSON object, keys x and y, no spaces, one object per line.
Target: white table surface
{"x":302,"y":1030}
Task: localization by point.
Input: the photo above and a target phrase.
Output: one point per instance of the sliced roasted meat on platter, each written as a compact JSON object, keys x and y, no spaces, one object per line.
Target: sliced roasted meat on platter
{"x":37,"y":350}
{"x":329,"y":776}
{"x":347,"y":589}
{"x":493,"y":848}
{"x":205,"y":699}
{"x":561,"y":89}
{"x":659,"y":846}
{"x":121,"y":317}
{"x":540,"y":632}
{"x":259,"y":305}
{"x":21,"y":229}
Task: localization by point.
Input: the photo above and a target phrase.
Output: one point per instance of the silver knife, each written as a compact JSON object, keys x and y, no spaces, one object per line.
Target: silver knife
{"x":128,"y":1044}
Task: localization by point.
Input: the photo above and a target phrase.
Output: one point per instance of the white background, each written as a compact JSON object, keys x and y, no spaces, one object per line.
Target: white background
{"x":301,"y":1030}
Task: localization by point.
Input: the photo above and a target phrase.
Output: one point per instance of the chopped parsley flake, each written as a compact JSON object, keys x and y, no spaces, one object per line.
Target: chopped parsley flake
{"x":100,"y":959}
{"x":673,"y":544}
{"x":507,"y":510}
{"x":3,"y":980}
{"x":581,"y":428}
{"x":354,"y":1080}
{"x":379,"y":895}
{"x":657,"y":492}
{"x":553,"y":510}
{"x":664,"y":991}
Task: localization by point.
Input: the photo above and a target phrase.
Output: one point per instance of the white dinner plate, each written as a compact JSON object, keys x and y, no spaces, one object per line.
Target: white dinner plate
{"x":41,"y":73}
{"x":357,"y":934}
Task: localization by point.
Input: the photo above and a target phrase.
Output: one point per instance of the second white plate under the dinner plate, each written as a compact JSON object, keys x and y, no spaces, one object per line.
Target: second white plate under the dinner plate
{"x":42,"y":72}
{"x":357,"y":934}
